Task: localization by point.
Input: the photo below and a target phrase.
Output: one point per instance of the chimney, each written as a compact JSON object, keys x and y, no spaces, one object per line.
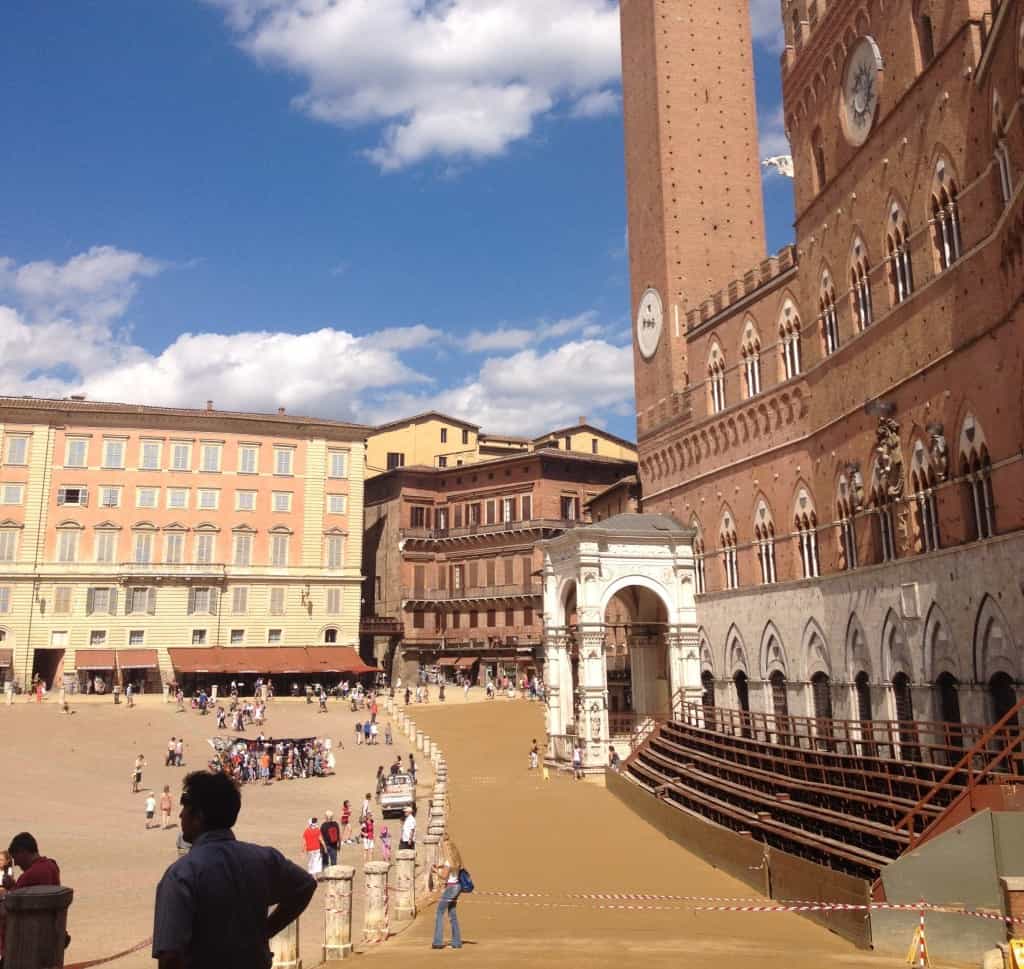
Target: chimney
{"x":209,"y":405}
{"x":280,"y":410}
{"x":583,"y":420}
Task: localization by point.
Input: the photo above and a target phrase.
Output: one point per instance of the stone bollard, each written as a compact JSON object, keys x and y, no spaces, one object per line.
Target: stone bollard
{"x":37,"y":919}
{"x":337,"y":880}
{"x":285,"y":947}
{"x":375,"y":924}
{"x":405,"y":890}
{"x":436,"y":828}
{"x":428,"y":748}
{"x":431,"y":843}
{"x":419,"y":740}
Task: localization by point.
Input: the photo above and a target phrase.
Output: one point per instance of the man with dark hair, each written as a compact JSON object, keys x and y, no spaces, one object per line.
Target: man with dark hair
{"x":212,"y":903}
{"x":35,"y":869}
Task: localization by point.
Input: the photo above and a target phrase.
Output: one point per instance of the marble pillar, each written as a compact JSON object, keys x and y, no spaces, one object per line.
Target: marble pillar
{"x":405,"y":886}
{"x":337,"y":884}
{"x":376,"y":921}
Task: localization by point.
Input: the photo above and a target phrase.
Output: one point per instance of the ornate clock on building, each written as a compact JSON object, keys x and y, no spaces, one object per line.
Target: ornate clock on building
{"x":862,"y":83}
{"x":650,"y":318}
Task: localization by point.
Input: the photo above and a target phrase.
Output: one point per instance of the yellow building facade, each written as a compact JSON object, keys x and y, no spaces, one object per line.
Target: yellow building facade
{"x":130,"y":534}
{"x":435,"y":440}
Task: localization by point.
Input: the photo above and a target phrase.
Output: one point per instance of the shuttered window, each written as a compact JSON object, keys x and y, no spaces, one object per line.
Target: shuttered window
{"x":277,"y":601}
{"x":239,"y":600}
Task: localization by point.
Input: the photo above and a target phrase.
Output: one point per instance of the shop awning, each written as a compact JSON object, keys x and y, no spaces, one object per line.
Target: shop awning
{"x":94,"y":659}
{"x":447,"y":661}
{"x":465,"y":662}
{"x":6,"y":657}
{"x":137,"y":659}
{"x":269,"y":660}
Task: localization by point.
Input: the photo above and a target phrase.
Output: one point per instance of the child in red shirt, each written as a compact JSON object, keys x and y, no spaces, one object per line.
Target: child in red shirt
{"x":367,"y":832}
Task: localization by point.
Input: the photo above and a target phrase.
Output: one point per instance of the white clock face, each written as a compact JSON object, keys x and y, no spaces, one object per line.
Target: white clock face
{"x":862,"y":81}
{"x":650,"y":318}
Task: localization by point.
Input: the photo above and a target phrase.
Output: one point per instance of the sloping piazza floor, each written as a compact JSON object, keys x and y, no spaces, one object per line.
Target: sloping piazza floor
{"x":518,"y":833}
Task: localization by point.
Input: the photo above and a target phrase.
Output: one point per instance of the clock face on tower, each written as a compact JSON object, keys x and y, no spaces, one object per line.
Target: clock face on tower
{"x":862,"y":81}
{"x":650,"y":318}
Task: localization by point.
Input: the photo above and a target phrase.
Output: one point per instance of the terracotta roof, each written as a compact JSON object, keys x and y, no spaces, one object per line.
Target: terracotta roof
{"x":269,"y":659}
{"x":69,"y":405}
{"x":629,"y":480}
{"x":425,"y":416}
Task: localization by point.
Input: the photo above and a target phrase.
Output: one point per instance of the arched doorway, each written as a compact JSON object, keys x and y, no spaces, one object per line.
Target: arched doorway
{"x":780,"y":706}
{"x":862,"y":692}
{"x":948,"y":710}
{"x":1002,"y":695}
{"x":821,"y":695}
{"x":707,"y":681}
{"x":904,"y":704}
{"x":636,"y":621}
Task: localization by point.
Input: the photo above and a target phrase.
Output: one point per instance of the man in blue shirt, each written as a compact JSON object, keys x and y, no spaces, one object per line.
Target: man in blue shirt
{"x":212,"y":903}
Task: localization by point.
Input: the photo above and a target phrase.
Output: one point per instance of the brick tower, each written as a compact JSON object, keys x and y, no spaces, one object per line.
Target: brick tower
{"x":696,"y":218}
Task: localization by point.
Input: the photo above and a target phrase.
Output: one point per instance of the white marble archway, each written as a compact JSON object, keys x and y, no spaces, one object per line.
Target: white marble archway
{"x":634,"y":551}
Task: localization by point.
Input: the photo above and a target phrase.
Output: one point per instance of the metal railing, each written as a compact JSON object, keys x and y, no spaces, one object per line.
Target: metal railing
{"x":940,"y":744}
{"x":496,"y":528}
{"x":475,"y":592}
{"x":997,"y":751}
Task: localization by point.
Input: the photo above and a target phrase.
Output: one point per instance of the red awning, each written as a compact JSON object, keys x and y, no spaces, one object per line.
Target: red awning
{"x":6,"y":657}
{"x":447,"y":661}
{"x":137,"y":659}
{"x":465,"y":662}
{"x":270,"y":660}
{"x":94,"y":659}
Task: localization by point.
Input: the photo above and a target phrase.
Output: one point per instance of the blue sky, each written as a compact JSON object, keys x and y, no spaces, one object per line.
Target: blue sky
{"x":348,"y":208}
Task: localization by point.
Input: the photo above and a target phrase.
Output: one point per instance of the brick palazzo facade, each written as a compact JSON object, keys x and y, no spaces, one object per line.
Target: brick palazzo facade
{"x":144,"y":539}
{"x":841,"y":423}
{"x":452,"y":561}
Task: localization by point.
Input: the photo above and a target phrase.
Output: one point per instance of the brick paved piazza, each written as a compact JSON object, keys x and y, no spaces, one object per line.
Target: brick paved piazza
{"x":68,"y":781}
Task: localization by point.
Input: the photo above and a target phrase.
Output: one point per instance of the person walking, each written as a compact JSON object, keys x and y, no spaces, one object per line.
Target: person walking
{"x":140,"y":762}
{"x":359,"y":733}
{"x":367,"y":833}
{"x":388,"y":739}
{"x":577,"y":763}
{"x":312,"y":843}
{"x":212,"y":904}
{"x":534,"y":755}
{"x":129,"y":694}
{"x":150,"y":810}
{"x":169,"y":762}
{"x":407,"y":839}
{"x":367,"y":730}
{"x":447,"y":874}
{"x":166,"y":806}
{"x":374,"y":732}
{"x":179,"y":752}
{"x":330,"y":835}
{"x":346,"y":823}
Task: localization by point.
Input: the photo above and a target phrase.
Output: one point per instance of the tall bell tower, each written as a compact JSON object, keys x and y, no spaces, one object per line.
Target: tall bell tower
{"x":696,"y":217}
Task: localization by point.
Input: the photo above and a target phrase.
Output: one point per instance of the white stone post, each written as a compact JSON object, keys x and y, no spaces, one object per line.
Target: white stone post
{"x":376,"y":922}
{"x":592,"y":725}
{"x":405,"y":884}
{"x":36,"y":927}
{"x":337,"y":881}
{"x":431,"y":843}
{"x":428,"y":747}
{"x":419,"y":740}
{"x":285,"y":947}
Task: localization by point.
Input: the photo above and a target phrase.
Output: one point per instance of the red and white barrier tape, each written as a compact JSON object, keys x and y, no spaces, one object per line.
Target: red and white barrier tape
{"x":757,"y":905}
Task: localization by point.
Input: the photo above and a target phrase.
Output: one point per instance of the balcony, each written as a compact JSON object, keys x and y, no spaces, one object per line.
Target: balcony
{"x":481,"y":530}
{"x":518,"y":590}
{"x":212,"y":571}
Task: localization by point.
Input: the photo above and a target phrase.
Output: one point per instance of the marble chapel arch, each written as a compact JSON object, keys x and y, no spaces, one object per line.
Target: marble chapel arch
{"x":622,"y":648}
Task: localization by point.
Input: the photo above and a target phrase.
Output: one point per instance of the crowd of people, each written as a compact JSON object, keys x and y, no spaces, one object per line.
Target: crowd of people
{"x":265,"y":760}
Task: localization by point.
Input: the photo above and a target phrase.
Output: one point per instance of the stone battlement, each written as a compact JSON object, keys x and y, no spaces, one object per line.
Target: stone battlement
{"x":761,"y":275}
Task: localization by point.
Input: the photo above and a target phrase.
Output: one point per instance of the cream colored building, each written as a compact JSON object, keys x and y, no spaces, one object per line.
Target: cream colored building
{"x":435,"y":440}
{"x":130,"y":535}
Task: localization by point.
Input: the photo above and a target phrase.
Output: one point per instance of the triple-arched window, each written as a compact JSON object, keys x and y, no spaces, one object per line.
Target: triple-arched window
{"x":901,"y":270}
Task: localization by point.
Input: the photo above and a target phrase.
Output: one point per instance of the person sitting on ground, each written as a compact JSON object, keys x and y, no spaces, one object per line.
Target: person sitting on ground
{"x":212,"y":903}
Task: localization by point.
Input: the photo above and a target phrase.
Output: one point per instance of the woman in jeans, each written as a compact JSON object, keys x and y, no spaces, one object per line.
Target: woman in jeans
{"x":447,"y":873}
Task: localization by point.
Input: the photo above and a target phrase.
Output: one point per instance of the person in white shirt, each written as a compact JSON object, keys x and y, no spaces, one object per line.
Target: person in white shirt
{"x":150,"y":809}
{"x":408,"y":839}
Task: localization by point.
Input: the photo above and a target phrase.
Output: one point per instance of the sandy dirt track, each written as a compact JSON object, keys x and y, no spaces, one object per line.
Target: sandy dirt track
{"x":519,"y":833}
{"x":66,"y":779}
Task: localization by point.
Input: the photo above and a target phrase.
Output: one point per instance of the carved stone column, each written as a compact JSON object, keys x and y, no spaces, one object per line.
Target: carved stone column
{"x":284,"y":947}
{"x":557,"y":686}
{"x":36,"y":925}
{"x":405,"y":884}
{"x":431,"y":845}
{"x":684,"y":667}
{"x":337,"y":882}
{"x":592,"y":715}
{"x":376,"y":921}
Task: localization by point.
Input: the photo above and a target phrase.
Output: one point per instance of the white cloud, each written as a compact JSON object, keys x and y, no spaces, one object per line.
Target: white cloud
{"x":458,"y":79}
{"x":772,"y":127}
{"x":530,"y":392}
{"x":597,"y":104}
{"x":54,"y":343}
{"x":518,"y":338}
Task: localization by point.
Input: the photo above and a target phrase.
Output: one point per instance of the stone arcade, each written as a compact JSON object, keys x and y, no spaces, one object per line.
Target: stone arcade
{"x":622,"y":648}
